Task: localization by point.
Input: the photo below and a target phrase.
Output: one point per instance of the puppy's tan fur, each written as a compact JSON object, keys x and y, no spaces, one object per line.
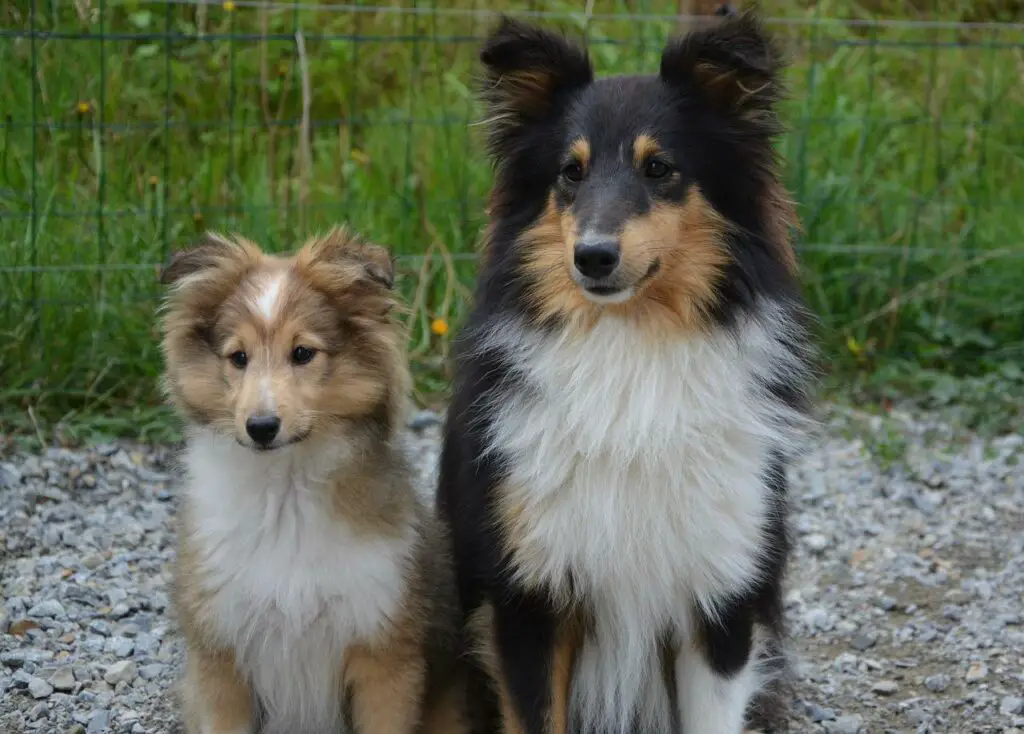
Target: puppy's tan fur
{"x":311,"y":583}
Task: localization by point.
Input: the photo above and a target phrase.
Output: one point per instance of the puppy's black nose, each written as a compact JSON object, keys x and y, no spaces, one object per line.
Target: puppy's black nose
{"x":263,"y":428}
{"x":596,"y":258}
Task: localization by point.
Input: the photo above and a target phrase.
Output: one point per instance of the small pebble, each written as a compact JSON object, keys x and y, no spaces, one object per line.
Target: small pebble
{"x":151,"y":671}
{"x":817,"y":714}
{"x":1011,"y":705}
{"x":817,"y":619}
{"x":123,"y":671}
{"x":937,"y":683}
{"x":849,"y":724}
{"x":817,"y":542}
{"x":63,"y":679}
{"x":976,"y":672}
{"x":888,"y":603}
{"x":38,"y":711}
{"x":123,"y":647}
{"x":886,"y":687}
{"x":862,"y":642}
{"x":98,"y":722}
{"x":48,"y":608}
{"x":120,"y":610}
{"x":92,"y":560}
{"x":39,"y":688}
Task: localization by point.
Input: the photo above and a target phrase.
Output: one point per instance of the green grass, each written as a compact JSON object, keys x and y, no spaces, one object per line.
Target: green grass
{"x":905,"y":153}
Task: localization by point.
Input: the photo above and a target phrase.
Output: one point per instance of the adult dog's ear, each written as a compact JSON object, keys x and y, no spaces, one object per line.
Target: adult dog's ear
{"x":528,"y":72}
{"x":733,"y":63}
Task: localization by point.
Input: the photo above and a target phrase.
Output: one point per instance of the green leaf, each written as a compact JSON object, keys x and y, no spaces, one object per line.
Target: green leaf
{"x":141,"y":19}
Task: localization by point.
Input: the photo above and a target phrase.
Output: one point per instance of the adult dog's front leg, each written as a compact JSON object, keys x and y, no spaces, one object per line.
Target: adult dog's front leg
{"x":534,"y":665}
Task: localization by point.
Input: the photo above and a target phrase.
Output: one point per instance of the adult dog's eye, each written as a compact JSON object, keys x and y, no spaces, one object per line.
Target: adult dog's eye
{"x":573,"y":172}
{"x":303,"y":355}
{"x":239,"y":359}
{"x":656,"y":169}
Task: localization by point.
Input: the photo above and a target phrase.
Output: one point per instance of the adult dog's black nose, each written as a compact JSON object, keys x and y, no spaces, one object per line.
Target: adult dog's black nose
{"x":263,"y":428}
{"x":596,"y":259}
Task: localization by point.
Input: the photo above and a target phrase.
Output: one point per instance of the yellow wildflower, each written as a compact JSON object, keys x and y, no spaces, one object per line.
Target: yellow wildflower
{"x":439,"y":327}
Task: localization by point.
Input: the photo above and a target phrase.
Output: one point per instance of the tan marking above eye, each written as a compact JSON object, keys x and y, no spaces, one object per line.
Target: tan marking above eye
{"x":643,"y":148}
{"x":580,"y":149}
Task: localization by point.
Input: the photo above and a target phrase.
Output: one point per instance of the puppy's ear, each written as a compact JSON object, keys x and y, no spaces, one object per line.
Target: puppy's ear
{"x":354,"y":260}
{"x":377,"y":263}
{"x":732,"y":63}
{"x":210,"y":250}
{"x":357,"y":276}
{"x":528,"y":71}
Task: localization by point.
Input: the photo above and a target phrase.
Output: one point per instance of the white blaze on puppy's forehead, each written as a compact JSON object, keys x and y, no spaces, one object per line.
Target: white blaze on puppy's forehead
{"x":269,"y":295}
{"x":267,"y":394}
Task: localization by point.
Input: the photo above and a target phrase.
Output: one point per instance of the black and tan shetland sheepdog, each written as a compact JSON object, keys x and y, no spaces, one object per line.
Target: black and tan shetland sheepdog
{"x":632,"y":383}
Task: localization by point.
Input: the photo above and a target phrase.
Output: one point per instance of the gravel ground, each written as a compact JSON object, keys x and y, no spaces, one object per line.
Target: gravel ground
{"x":905,"y":592}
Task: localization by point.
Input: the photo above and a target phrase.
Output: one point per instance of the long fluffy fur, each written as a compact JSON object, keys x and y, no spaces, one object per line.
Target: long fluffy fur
{"x":619,"y":463}
{"x":312,"y":583}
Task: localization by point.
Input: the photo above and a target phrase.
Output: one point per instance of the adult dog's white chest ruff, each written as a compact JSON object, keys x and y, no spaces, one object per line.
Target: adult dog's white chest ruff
{"x":290,"y":586}
{"x":635,"y":469}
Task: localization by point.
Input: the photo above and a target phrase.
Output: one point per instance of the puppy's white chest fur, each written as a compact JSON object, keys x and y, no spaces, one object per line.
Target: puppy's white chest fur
{"x":636,"y":470}
{"x":290,"y":586}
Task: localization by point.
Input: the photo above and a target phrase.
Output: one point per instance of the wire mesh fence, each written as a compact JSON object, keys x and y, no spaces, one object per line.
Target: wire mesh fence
{"x":128,"y":127}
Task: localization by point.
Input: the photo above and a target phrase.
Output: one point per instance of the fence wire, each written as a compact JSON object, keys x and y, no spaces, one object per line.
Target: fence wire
{"x":129,"y":127}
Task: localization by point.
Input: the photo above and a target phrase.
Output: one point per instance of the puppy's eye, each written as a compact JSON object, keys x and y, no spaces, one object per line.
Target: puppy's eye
{"x":572,"y":172}
{"x":303,"y":355}
{"x":239,"y":359}
{"x":656,"y":169}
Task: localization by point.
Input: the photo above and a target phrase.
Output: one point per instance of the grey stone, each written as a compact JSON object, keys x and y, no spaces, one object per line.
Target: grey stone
{"x":120,"y":610}
{"x":92,"y":561}
{"x":977,"y":672}
{"x":817,"y":714}
{"x":817,"y":542}
{"x":100,"y":627}
{"x":849,"y":724}
{"x":817,"y":619}
{"x":99,"y":722}
{"x":1011,"y":705}
{"x":151,"y":671}
{"x":63,"y":679}
{"x":47,"y":608}
{"x":38,"y":711}
{"x":886,"y":687}
{"x":39,"y":688}
{"x":123,"y":671}
{"x":123,"y":647}
{"x":937,"y":683}
{"x":862,"y":642}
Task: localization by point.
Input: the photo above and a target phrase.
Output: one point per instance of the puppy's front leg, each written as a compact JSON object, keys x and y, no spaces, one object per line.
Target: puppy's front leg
{"x":215,"y":698}
{"x":387,"y":686}
{"x":534,"y":664}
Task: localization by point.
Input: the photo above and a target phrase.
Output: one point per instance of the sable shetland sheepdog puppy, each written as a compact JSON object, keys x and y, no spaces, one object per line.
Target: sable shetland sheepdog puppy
{"x":630,"y":387}
{"x":312,"y":585}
